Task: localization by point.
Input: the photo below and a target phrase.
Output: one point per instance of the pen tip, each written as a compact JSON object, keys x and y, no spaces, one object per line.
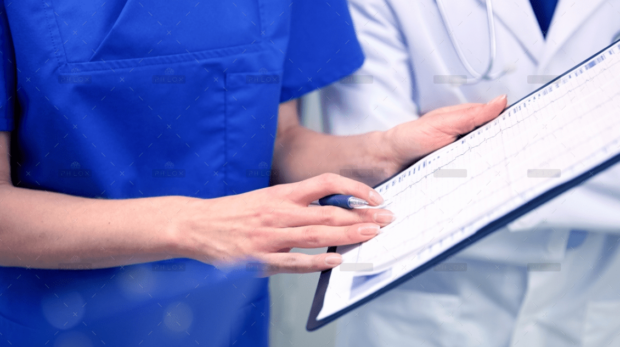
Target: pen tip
{"x":357,"y":202}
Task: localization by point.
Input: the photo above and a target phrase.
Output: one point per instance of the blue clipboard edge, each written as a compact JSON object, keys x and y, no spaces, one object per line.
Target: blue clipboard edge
{"x":319,"y":297}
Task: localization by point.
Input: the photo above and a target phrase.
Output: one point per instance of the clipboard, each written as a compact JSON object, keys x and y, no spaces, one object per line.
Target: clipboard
{"x":314,"y":322}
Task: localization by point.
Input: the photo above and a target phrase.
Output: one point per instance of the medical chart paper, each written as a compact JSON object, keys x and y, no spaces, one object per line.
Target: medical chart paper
{"x":554,"y":135}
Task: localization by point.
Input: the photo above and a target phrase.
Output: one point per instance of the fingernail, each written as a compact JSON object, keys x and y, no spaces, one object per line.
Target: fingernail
{"x":375,"y":198}
{"x":333,"y":259}
{"x":384,"y":217}
{"x":499,"y":98}
{"x":369,"y":230}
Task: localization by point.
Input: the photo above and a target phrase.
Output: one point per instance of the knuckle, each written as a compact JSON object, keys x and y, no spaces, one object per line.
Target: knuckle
{"x":274,"y":216}
{"x":328,"y":180}
{"x":361,"y":189}
{"x":268,"y":239}
{"x":249,"y":243}
{"x":279,"y":215}
{"x":271,"y":268}
{"x":331,"y":176}
{"x":351,"y":234}
{"x":330,"y":216}
{"x":268,"y":218}
{"x":366,"y":216}
{"x":293,"y":263}
{"x":310,"y":236}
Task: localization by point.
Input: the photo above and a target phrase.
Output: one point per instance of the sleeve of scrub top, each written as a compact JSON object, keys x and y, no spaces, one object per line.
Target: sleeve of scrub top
{"x":380,"y":95}
{"x":7,"y":73}
{"x":322,"y":47}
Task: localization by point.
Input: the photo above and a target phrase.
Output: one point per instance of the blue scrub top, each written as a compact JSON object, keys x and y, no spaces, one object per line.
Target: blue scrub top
{"x":127,"y":99}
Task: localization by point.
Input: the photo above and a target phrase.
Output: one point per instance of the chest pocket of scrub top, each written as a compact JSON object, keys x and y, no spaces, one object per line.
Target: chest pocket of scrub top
{"x":132,"y":29}
{"x":155,"y":100}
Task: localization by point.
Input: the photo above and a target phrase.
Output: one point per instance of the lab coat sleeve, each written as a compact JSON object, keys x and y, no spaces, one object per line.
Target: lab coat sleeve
{"x":7,"y":73}
{"x":380,"y":94}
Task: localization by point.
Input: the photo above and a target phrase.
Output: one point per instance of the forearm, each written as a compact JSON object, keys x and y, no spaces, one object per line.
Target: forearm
{"x":374,"y":156}
{"x":50,"y":230}
{"x":301,"y":153}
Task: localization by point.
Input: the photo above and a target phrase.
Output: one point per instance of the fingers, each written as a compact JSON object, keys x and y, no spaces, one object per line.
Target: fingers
{"x":461,"y":107}
{"x":465,"y":119}
{"x":336,"y":216}
{"x":317,"y":187}
{"x":299,"y":263}
{"x":316,"y":236}
{"x":454,"y":108}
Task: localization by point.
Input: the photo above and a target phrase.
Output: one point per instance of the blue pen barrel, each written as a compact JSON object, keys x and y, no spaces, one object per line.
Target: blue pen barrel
{"x":336,"y":200}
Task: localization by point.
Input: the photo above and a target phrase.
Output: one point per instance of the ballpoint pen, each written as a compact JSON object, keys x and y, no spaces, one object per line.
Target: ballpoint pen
{"x":344,"y":201}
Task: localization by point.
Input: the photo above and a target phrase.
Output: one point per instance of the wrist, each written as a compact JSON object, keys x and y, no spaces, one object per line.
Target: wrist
{"x":382,"y":154}
{"x":178,"y":226}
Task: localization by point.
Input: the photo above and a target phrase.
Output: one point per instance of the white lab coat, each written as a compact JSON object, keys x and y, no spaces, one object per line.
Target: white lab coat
{"x":497,"y":301}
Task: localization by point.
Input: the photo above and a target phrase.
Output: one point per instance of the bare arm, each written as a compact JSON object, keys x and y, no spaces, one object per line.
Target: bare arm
{"x":50,"y":230}
{"x":301,"y":153}
{"x":372,"y":157}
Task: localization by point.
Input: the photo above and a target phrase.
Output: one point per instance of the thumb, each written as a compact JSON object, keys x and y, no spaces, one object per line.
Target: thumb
{"x":442,"y":126}
{"x":485,"y":113}
{"x":464,"y":119}
{"x":492,"y":110}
